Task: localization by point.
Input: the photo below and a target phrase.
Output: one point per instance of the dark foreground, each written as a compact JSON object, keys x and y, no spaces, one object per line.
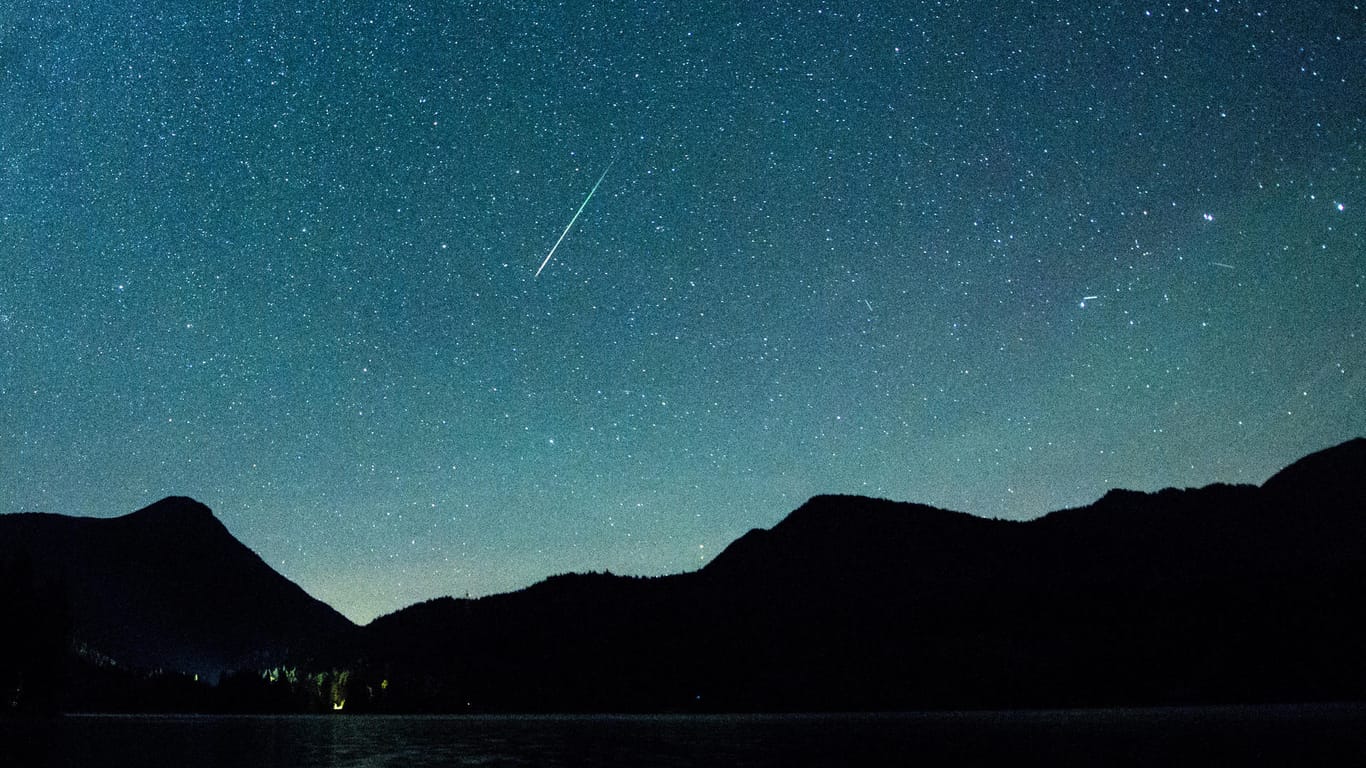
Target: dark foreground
{"x":1280,"y":735}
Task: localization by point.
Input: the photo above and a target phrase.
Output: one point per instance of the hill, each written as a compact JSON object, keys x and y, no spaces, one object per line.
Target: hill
{"x":168,"y":587}
{"x":1222,"y":593}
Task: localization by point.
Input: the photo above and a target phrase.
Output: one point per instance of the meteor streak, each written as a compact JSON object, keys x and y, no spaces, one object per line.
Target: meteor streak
{"x":576,"y":218}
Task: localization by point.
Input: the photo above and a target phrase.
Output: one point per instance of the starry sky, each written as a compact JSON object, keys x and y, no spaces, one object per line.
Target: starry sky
{"x":995,"y":257}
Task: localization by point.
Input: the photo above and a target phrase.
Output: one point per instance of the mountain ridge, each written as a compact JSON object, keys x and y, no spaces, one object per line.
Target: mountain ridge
{"x":1223,"y":593}
{"x":168,"y":586}
{"x":1174,"y":596}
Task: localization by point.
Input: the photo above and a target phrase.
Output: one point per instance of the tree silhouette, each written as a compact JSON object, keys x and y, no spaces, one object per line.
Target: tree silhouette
{"x":34,"y":648}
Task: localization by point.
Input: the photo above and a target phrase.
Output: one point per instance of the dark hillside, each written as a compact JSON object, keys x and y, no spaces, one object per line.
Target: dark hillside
{"x":168,"y":587}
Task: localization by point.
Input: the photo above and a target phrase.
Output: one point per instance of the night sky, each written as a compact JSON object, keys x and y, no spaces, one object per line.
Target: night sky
{"x":994,"y":257}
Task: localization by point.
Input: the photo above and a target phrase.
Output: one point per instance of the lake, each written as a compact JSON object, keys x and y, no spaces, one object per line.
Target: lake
{"x":1160,"y":736}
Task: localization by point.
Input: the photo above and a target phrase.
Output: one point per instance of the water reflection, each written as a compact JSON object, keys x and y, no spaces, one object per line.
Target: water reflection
{"x":1181,"y":736}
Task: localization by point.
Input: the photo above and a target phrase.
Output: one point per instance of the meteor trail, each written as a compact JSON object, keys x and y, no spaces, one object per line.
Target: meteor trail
{"x":576,"y":218}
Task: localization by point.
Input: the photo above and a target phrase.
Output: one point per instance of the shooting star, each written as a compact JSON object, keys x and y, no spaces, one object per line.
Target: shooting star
{"x":576,"y":218}
{"x":1085,"y":299}
{"x":1222,"y":264}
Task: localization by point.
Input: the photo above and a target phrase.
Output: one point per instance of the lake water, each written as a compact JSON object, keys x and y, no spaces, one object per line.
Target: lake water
{"x":1334,"y":734}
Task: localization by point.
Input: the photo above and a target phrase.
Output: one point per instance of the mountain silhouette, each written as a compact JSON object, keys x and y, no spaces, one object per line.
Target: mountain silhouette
{"x":1217,"y":594}
{"x":1221,"y":594}
{"x":168,"y":587}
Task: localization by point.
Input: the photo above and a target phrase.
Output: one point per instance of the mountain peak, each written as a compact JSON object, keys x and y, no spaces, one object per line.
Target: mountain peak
{"x":177,"y":505}
{"x":844,"y":534}
{"x":169,"y":587}
{"x":1328,"y":466}
{"x":842,"y":511}
{"x":1330,"y":477}
{"x":174,"y":510}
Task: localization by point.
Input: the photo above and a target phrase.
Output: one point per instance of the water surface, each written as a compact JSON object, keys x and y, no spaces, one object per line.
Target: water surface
{"x":1163,"y":736}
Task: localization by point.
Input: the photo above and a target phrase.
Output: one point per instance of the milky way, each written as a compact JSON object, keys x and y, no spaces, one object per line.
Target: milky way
{"x":995,"y":257}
